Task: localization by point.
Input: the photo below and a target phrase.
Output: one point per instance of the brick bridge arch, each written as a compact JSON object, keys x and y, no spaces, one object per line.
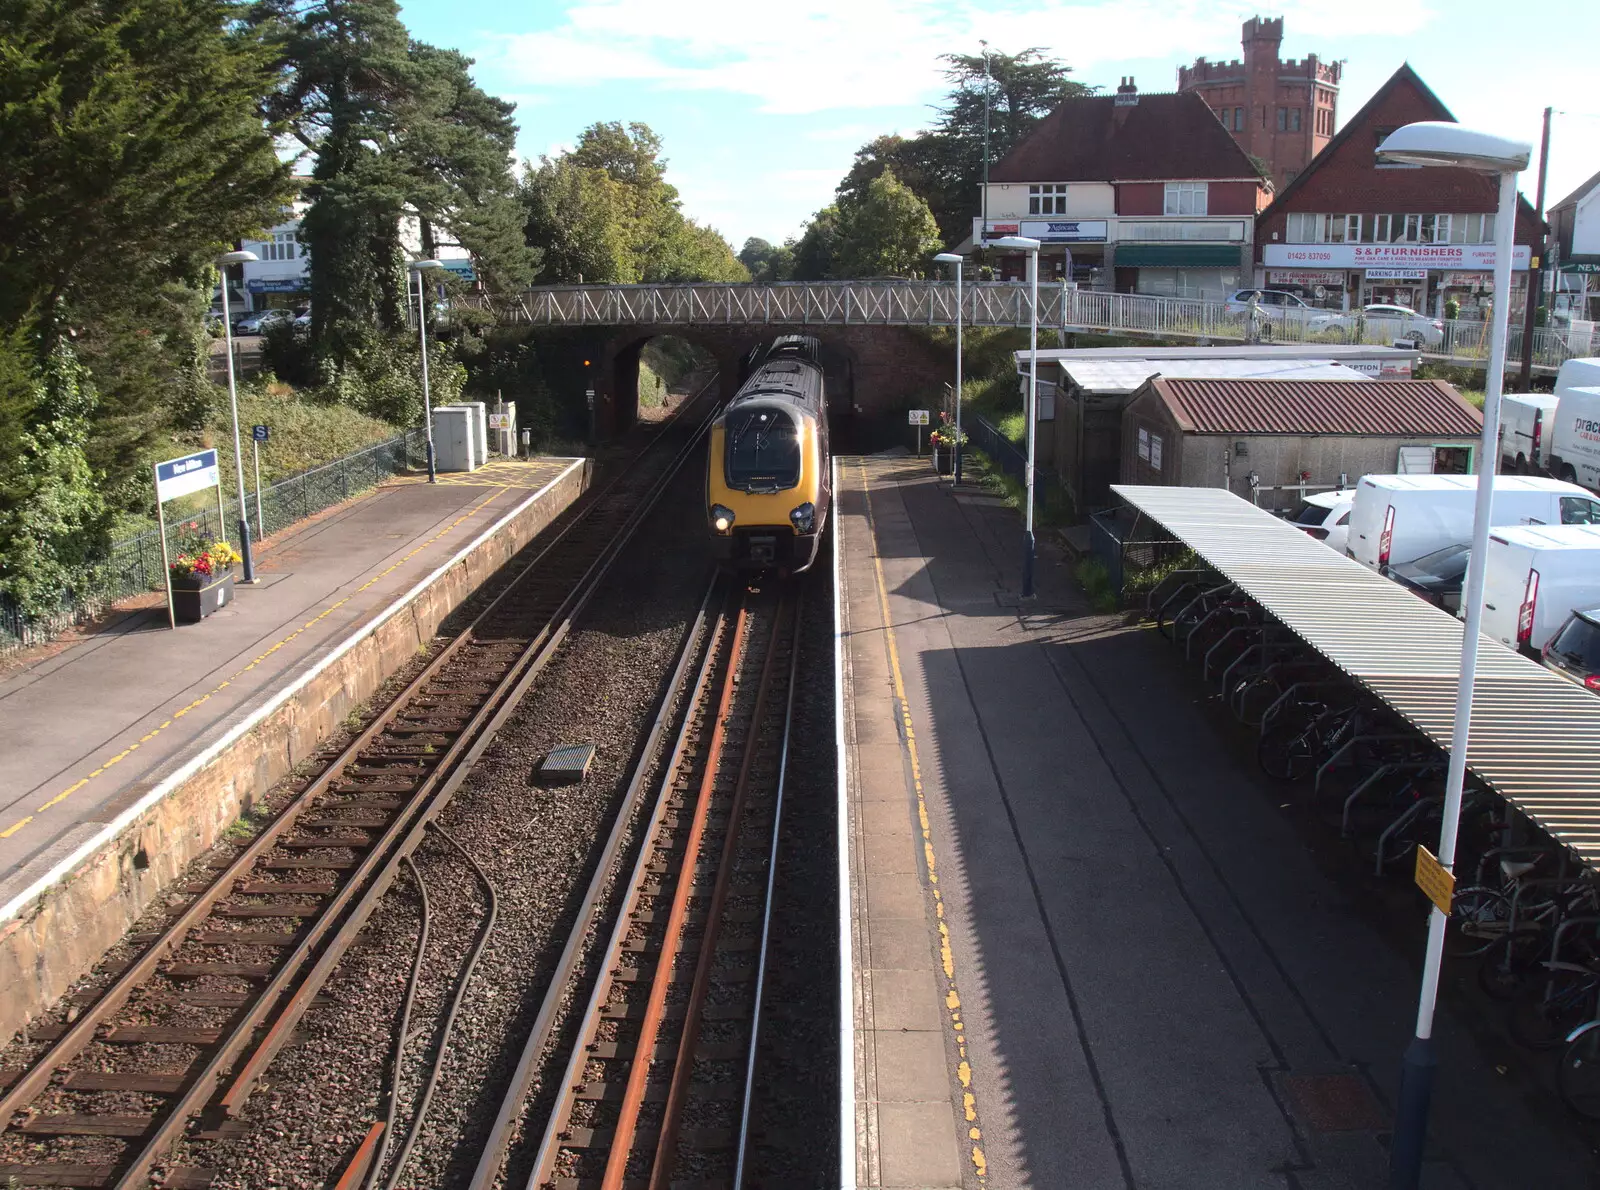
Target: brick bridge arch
{"x":885,"y":366}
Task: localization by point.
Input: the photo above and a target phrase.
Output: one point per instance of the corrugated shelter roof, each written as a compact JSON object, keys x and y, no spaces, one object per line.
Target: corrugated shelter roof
{"x":1096,"y":139}
{"x":1534,"y":736}
{"x":1316,"y":351}
{"x":1117,"y":376}
{"x":1385,"y":408}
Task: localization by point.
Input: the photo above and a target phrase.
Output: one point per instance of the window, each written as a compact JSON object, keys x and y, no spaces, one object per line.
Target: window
{"x":1380,"y":230}
{"x":1427,"y":229}
{"x":282,"y":246}
{"x":1352,"y":229}
{"x":1579,"y":510}
{"x":1047,"y":200}
{"x":1472,"y":229}
{"x":763,"y":451}
{"x":1283,"y":119}
{"x":1186,"y":198}
{"x":1238,"y":119}
{"x":1294,"y":119}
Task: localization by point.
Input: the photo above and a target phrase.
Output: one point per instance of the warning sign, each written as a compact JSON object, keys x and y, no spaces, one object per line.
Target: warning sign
{"x":1432,"y":879}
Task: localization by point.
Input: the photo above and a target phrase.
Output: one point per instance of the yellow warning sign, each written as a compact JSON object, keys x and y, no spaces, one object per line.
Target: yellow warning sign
{"x":1432,"y":879}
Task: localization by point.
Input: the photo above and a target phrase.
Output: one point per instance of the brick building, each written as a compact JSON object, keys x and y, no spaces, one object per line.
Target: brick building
{"x":1137,"y":193}
{"x":1350,"y":231}
{"x":1281,"y":112}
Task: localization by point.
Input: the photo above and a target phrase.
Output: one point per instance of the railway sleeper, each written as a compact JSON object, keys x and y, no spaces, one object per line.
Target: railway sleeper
{"x":612,"y":1092}
{"x":708,"y":1140}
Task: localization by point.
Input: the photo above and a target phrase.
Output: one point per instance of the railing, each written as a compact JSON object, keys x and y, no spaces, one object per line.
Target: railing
{"x":133,"y":565}
{"x":933,"y":303}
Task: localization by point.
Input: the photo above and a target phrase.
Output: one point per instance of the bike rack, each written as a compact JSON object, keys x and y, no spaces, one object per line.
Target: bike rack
{"x":1222,"y":589}
{"x":1289,"y":693}
{"x":1263,"y":646}
{"x":1383,"y":737}
{"x":1382,"y":771}
{"x":1188,"y":641}
{"x":1188,"y":576}
{"x":1309,"y":664}
{"x":1422,"y":806}
{"x":1182,"y":591}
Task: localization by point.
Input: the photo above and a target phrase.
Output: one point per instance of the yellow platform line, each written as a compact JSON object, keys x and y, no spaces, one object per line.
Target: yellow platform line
{"x":952,"y":999}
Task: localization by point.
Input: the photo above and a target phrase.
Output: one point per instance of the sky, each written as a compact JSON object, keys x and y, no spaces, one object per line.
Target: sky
{"x":761,"y":106}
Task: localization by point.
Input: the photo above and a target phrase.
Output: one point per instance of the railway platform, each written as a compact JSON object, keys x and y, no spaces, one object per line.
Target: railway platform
{"x":92,"y":724}
{"x":1085,"y":942}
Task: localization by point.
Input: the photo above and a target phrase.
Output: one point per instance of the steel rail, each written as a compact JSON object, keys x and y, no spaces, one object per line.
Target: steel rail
{"x":492,"y":1155}
{"x":571,"y":1076}
{"x":677,"y":918}
{"x":764,"y":947}
{"x":434,"y":789}
{"x":689,"y":1038}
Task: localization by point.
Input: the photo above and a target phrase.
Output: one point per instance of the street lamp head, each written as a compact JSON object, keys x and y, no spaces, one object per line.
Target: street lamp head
{"x":1020,"y":243}
{"x":228,"y":258}
{"x":418,"y":266}
{"x":949,"y":258}
{"x":1439,"y":142}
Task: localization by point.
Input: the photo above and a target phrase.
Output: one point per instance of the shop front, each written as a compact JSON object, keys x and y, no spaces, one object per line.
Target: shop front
{"x":278,"y":293}
{"x":1207,"y":271}
{"x":1421,"y":277}
{"x":1071,"y":249}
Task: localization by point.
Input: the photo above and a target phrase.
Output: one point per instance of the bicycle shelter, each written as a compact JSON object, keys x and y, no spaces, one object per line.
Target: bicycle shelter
{"x":1534,"y":737}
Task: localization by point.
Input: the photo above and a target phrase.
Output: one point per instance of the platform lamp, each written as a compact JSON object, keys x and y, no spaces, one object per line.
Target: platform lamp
{"x":223,"y":261}
{"x":1438,"y":143}
{"x":421,"y":268}
{"x":958,"y":260}
{"x":1031,"y":246}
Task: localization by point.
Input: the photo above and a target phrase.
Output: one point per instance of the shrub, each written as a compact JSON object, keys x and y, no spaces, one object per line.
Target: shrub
{"x":1096,"y":583}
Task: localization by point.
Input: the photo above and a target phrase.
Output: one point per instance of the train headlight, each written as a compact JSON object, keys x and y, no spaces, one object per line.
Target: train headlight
{"x":721,"y":518}
{"x":804,"y":518}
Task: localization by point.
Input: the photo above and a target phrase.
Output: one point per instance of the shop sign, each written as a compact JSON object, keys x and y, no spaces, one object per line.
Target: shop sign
{"x":1003,"y":229}
{"x":1370,"y":256}
{"x":276,"y":285}
{"x":1065,"y":231}
{"x":461,"y":268}
{"x":1469,"y":279}
{"x":1397,"y":274}
{"x":1306,"y":277}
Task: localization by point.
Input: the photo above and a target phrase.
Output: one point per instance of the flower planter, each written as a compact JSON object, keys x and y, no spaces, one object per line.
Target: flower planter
{"x":195,"y":597}
{"x":943,"y":459}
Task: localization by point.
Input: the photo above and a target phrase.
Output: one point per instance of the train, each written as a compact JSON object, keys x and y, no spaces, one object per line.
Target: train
{"x":769,"y":484}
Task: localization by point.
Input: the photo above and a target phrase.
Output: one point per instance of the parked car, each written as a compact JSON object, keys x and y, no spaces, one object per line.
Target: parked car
{"x":1326,"y":517}
{"x":1402,"y":322}
{"x":302,"y":318}
{"x":1398,"y":518}
{"x":1279,"y":305}
{"x":1436,"y":577}
{"x":258,"y":322}
{"x":1535,"y":577}
{"x":1574,"y":651}
{"x":1575,"y":429}
{"x":1523,"y":421}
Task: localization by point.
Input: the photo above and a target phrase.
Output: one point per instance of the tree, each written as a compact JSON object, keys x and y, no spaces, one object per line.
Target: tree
{"x":818,"y":252}
{"x":767,"y":262}
{"x":890,"y":232}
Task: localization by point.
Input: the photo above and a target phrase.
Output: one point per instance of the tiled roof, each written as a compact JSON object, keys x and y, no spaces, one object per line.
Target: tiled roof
{"x":1386,"y":408}
{"x":1162,"y":137}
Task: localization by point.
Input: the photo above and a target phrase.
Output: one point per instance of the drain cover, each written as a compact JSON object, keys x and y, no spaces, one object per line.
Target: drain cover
{"x":566,"y":764}
{"x":1336,"y":1102}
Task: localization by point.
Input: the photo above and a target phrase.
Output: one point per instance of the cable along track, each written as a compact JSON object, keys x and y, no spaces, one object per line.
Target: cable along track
{"x":190,"y":1025}
{"x":680,"y":974}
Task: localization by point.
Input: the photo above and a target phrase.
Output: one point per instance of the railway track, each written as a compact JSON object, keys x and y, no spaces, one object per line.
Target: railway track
{"x":173,"y":1045}
{"x":658,"y":1084}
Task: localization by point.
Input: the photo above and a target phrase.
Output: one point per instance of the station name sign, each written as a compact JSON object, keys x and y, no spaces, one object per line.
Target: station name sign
{"x":179,"y":477}
{"x":1371,"y":256}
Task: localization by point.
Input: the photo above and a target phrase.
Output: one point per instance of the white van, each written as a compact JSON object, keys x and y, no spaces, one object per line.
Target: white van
{"x":1525,"y":423}
{"x":1537,"y":576}
{"x":1398,"y":518}
{"x":1575,"y":434}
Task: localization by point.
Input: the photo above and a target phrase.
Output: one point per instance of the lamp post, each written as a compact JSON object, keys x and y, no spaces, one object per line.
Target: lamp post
{"x":958,"y":261}
{"x":1440,"y":143}
{"x":983,"y":236}
{"x":421,"y":268}
{"x":1031,"y":247}
{"x":223,"y":261}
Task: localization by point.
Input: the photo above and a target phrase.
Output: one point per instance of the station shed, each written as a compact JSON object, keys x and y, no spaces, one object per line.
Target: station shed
{"x":1268,"y":440}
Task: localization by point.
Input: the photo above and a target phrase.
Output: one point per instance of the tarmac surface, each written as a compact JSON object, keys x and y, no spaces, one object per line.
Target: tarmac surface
{"x":89,"y":724}
{"x":1089,"y":946}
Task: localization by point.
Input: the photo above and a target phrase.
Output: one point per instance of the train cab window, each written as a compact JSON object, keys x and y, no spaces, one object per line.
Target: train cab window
{"x":763,"y":450}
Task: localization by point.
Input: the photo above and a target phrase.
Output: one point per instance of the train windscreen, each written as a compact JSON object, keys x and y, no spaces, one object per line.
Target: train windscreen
{"x":763,"y":450}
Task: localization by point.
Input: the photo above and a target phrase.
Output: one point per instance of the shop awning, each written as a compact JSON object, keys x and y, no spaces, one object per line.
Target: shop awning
{"x":1177,"y":256}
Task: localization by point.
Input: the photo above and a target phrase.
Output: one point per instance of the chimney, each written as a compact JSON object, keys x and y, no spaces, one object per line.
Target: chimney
{"x":1127,"y":94}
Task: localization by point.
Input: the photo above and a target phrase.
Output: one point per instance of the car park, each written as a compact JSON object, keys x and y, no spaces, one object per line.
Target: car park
{"x":1398,"y":518}
{"x":1574,"y":651}
{"x":1436,"y":577}
{"x":1326,"y":517}
{"x":1401,"y":322}
{"x":1535,"y":576}
{"x":1526,"y":420}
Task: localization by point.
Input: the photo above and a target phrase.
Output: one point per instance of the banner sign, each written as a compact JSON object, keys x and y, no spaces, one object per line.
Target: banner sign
{"x":1065,"y":231}
{"x":1397,"y":274}
{"x":1366,"y":256}
{"x":1307,"y":277}
{"x":179,"y":477}
{"x":278,"y":285}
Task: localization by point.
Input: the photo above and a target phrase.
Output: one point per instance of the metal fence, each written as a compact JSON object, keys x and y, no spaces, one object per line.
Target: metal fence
{"x":1000,"y":303}
{"x":1005,"y":454}
{"x":133,"y":564}
{"x":1127,"y":543}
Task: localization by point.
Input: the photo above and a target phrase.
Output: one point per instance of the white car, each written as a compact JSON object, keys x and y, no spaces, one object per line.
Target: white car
{"x":1326,"y":517}
{"x":255,"y":324}
{"x":1279,"y":305}
{"x":1402,"y":322}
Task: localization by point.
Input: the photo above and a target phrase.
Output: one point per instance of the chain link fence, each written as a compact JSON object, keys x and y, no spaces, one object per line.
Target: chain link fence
{"x":133,"y":565}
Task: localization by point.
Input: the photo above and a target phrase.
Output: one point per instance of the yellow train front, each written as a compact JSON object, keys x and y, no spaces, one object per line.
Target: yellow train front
{"x":768,"y":483}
